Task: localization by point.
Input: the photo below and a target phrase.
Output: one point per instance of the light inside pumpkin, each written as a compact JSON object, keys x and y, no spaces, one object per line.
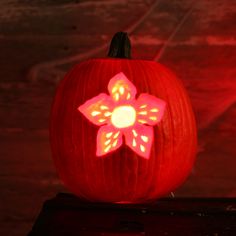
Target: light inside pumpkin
{"x":123,"y":116}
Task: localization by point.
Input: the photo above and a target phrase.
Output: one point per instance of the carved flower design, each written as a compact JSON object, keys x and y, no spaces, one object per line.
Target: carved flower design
{"x":120,"y":114}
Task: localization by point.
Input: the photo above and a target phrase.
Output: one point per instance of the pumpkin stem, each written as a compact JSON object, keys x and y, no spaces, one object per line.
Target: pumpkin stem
{"x":120,"y":46}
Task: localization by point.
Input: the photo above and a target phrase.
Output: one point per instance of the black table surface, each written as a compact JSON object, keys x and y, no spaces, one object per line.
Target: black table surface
{"x":67,"y":215}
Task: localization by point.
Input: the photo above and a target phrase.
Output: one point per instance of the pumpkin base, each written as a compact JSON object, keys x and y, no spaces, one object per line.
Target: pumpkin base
{"x":123,"y":202}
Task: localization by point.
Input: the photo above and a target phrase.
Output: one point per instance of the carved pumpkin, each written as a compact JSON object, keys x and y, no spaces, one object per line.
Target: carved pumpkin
{"x":122,"y":130}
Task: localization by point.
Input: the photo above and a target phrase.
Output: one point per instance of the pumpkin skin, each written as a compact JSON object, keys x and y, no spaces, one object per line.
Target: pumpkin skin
{"x":121,"y":176}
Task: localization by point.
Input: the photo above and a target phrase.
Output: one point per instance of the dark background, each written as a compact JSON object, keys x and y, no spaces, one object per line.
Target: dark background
{"x":41,"y":39}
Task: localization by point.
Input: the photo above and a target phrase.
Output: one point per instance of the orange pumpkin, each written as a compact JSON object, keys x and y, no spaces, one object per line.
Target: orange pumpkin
{"x":142,"y":161}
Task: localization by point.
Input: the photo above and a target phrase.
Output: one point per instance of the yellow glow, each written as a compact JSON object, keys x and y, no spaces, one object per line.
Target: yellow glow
{"x":116,"y":135}
{"x":121,"y":90}
{"x":117,"y":96}
{"x":114,"y":89}
{"x":107,"y":142}
{"x":123,"y":116}
{"x":95,"y":113}
{"x":107,"y":113}
{"x":107,"y":148}
{"x":134,"y":143}
{"x":128,"y":96}
{"x":152,"y":118}
{"x":108,"y":135}
{"x":143,"y":113}
{"x":114,"y":143}
{"x":142,"y":148}
{"x":143,"y":106}
{"x":103,"y":107}
{"x":134,"y":133}
{"x":101,"y":120}
{"x":144,"y":138}
{"x":142,"y":121}
{"x":154,"y":110}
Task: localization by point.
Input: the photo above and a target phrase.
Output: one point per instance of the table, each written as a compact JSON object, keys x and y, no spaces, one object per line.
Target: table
{"x":66,"y":214}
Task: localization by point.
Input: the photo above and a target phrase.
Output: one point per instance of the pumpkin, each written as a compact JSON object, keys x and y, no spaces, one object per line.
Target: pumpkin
{"x":122,"y":130}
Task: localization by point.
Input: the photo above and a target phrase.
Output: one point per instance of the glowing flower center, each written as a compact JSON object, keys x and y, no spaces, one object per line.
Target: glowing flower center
{"x":123,"y":116}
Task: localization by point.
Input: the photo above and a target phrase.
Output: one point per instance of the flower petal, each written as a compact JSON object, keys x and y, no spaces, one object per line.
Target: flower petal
{"x":150,"y":109}
{"x":108,"y":139}
{"x":98,"y":109}
{"x":121,"y":89}
{"x":139,"y":138}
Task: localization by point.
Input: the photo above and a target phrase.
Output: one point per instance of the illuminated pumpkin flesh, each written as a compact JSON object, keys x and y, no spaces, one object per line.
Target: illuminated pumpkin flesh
{"x":123,"y":116}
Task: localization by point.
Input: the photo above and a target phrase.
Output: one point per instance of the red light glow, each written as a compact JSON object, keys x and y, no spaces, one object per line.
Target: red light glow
{"x":121,"y":114}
